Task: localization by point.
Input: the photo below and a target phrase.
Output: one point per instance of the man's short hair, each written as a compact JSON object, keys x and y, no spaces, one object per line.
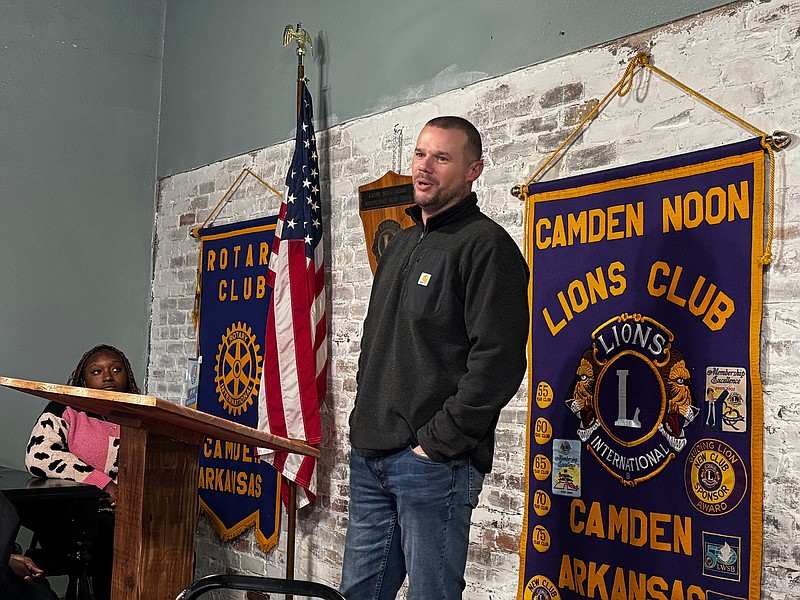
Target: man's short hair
{"x":474,"y":144}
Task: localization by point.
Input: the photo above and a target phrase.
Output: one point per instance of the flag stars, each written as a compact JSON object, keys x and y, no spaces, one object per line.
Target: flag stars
{"x":302,"y":220}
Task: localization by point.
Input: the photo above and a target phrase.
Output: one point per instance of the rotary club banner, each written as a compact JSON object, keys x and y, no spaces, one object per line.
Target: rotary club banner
{"x":237,"y":490}
{"x":645,"y":416}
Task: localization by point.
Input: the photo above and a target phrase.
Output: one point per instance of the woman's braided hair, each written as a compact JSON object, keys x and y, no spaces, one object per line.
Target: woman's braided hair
{"x":77,"y":380}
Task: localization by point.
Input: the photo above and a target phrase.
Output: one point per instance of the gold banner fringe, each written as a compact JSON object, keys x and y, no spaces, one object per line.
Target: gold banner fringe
{"x":228,"y":534}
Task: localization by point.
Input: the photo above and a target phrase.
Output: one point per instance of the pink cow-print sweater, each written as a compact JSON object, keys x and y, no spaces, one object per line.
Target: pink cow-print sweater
{"x":71,"y":444}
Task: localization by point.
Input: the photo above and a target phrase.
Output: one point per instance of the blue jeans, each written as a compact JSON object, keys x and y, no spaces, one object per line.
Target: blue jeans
{"x":408,"y":514}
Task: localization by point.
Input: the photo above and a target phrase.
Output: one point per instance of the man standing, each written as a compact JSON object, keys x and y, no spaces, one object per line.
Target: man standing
{"x":443,"y":351}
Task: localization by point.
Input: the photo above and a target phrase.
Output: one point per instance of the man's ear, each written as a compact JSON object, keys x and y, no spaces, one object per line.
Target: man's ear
{"x":475,"y":170}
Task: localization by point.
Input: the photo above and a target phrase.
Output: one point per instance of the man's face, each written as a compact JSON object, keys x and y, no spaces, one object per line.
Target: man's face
{"x":442,"y":172}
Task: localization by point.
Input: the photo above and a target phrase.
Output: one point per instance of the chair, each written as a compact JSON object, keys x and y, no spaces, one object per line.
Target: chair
{"x":255,"y":583}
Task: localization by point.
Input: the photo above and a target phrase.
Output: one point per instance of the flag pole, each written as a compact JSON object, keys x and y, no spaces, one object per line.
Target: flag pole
{"x":302,"y":38}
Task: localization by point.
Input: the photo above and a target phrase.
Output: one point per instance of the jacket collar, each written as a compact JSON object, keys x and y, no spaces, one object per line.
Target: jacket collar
{"x":463,"y":208}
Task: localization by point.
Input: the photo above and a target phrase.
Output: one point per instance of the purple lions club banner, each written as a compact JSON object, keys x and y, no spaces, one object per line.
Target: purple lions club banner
{"x":644,"y":464}
{"x":237,"y":490}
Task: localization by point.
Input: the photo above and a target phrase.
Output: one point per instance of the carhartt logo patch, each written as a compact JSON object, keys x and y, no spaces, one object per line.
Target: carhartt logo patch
{"x":424,"y":279}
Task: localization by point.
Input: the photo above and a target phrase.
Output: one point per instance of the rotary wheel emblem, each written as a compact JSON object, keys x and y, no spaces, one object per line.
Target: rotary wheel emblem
{"x":238,"y":368}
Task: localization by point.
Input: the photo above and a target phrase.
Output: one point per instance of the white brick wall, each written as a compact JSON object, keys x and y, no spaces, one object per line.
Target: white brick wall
{"x":743,"y":56}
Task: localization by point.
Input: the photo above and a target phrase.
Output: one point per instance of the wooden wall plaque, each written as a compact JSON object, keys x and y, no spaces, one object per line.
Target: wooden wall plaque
{"x":381,"y":205}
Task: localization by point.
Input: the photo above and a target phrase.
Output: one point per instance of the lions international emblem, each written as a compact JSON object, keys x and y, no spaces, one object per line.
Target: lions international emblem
{"x":238,"y":368}
{"x":632,"y":393}
{"x":383,"y":236}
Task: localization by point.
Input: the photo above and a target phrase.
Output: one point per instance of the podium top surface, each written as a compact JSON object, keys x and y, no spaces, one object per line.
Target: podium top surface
{"x":154,"y":414}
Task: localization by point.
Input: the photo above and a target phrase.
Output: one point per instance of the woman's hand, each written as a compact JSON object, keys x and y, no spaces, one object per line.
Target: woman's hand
{"x":111,"y":490}
{"x":24,"y":567}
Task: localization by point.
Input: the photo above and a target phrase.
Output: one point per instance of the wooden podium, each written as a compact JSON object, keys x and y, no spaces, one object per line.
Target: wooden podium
{"x":157,"y":504}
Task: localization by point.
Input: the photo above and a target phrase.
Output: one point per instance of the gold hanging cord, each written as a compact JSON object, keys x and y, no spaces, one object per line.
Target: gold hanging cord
{"x":195,"y":233}
{"x":231,"y":190}
{"x":777,"y":141}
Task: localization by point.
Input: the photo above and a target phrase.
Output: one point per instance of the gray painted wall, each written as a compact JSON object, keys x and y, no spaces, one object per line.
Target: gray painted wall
{"x":79,"y":130}
{"x":229,"y":82}
{"x":79,"y":101}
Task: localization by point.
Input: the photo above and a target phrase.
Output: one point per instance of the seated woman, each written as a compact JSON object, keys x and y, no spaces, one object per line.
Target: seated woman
{"x":71,"y":444}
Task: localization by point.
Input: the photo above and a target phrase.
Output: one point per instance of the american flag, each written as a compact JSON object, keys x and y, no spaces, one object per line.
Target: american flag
{"x":294,"y":377}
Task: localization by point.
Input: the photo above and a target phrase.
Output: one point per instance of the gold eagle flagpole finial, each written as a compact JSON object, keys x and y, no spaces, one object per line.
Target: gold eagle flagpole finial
{"x":300,"y":36}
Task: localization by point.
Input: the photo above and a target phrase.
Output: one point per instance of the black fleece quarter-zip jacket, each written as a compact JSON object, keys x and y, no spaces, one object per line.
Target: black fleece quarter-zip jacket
{"x":443,"y":349}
